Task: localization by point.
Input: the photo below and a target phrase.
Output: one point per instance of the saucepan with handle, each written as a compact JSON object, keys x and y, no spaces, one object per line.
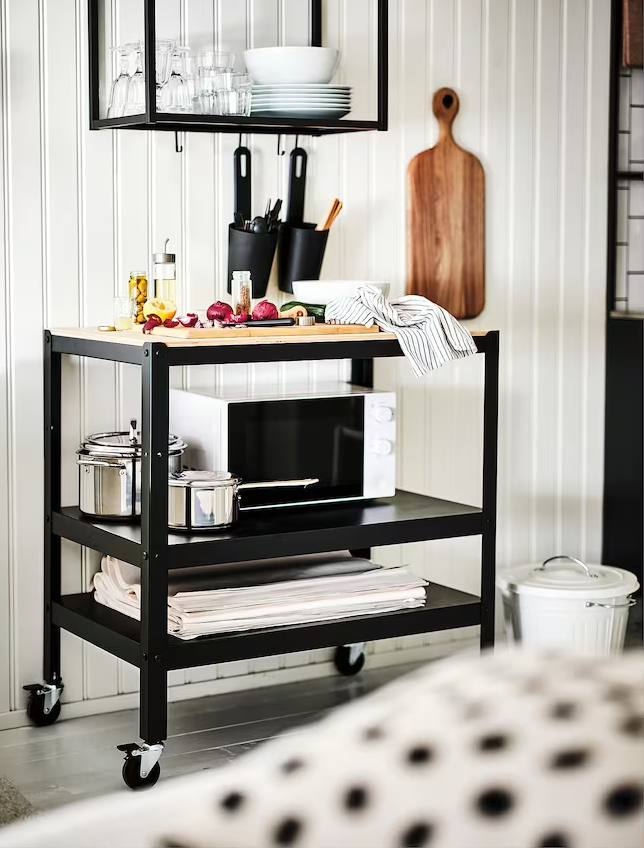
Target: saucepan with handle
{"x":210,"y":500}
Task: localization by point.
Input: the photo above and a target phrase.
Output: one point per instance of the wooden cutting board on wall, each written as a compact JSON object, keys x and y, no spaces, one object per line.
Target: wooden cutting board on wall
{"x":446,"y":220}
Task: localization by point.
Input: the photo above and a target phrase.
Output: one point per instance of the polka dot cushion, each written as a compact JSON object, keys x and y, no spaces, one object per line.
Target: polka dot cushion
{"x":505,"y":751}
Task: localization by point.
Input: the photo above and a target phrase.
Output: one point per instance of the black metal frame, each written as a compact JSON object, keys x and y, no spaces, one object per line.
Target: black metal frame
{"x":356,"y":527}
{"x":153,"y":120}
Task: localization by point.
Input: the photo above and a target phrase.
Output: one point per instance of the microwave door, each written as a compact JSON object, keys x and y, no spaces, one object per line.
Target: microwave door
{"x":291,"y":439}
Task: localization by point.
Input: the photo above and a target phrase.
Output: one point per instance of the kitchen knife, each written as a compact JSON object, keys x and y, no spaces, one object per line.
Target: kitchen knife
{"x":296,"y":186}
{"x":242,"y":182}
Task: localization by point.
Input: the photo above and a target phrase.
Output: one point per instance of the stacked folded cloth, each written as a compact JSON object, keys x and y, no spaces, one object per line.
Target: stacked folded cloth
{"x":267,"y":593}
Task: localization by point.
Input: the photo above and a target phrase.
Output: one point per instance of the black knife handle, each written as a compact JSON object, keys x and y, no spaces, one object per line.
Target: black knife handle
{"x":242,"y":163}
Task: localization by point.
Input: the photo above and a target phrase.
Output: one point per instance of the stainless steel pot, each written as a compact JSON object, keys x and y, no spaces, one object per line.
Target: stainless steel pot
{"x":110,"y":472}
{"x":209,"y":500}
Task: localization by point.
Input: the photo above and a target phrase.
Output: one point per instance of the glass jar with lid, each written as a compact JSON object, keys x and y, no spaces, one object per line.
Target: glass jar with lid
{"x":241,"y":291}
{"x":165,"y":275}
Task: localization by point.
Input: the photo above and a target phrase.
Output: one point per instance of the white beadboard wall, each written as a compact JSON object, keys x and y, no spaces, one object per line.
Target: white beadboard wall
{"x":80,"y":210}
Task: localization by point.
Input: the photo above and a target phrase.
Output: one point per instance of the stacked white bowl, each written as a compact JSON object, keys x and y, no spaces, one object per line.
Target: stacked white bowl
{"x":296,"y":82}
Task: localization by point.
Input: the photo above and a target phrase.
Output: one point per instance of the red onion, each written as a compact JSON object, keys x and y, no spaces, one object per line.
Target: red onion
{"x":219,"y":311}
{"x":239,"y":319}
{"x":170,"y":323}
{"x":188,"y":320}
{"x":264,"y":309}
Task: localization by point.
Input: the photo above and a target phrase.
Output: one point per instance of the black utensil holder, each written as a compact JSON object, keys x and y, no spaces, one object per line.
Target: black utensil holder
{"x":252,"y":252}
{"x":300,"y":254}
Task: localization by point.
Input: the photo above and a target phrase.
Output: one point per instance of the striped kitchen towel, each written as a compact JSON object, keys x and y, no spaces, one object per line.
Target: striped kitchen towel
{"x":428,"y":335}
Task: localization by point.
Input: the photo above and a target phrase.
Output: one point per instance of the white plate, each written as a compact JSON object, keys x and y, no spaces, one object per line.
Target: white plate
{"x":285,"y":98}
{"x":308,"y":104}
{"x":322,"y":291}
{"x":300,"y":112}
{"x":317,"y":87}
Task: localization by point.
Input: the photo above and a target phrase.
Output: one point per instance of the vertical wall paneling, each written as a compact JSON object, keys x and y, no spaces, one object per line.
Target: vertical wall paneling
{"x":81,"y":210}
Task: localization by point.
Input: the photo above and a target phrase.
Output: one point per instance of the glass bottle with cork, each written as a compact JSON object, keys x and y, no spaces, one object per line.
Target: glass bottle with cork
{"x":165,"y":276}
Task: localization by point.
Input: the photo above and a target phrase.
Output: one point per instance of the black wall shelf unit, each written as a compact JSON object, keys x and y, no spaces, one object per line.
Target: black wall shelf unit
{"x":357,"y":526}
{"x":189,"y":122}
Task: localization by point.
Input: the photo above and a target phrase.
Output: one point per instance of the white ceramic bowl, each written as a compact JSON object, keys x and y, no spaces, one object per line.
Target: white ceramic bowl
{"x":276,"y":65}
{"x":322,"y":291}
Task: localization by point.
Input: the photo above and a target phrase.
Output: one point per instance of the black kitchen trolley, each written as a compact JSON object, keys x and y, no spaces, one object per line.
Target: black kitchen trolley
{"x":356,"y":527}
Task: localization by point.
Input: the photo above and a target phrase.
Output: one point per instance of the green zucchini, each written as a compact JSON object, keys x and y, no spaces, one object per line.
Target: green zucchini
{"x":315,"y":309}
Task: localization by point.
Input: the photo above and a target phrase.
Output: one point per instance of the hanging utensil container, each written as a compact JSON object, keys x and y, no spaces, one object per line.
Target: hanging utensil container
{"x":567,"y":606}
{"x":110,"y":473}
{"x":210,"y":500}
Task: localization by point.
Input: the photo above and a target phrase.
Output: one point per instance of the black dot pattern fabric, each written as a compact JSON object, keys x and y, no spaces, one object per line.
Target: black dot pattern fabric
{"x":465,"y":753}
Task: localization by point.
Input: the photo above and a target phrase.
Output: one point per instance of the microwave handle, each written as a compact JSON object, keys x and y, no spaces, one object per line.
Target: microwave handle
{"x":275,"y":484}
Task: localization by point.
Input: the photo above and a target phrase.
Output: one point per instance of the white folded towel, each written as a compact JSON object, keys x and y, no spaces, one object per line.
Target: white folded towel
{"x":428,"y":335}
{"x":252,"y":606}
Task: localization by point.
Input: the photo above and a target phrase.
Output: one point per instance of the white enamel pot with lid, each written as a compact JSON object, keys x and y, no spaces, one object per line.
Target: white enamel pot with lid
{"x":210,"y":500}
{"x":565,"y":605}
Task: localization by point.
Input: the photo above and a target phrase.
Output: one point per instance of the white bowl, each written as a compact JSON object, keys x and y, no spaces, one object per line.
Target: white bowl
{"x":322,"y":291}
{"x":276,"y":65}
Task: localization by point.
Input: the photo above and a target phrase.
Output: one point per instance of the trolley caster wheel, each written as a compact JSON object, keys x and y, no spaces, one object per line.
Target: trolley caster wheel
{"x":43,"y":706}
{"x":141,"y":767}
{"x":132,"y":774}
{"x":349,"y":659}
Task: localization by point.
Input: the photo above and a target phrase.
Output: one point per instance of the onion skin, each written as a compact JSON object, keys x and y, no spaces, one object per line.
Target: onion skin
{"x":265,"y":309}
{"x":189,"y":320}
{"x":239,"y":319}
{"x":152,"y":322}
{"x":219,"y":311}
{"x":170,"y":323}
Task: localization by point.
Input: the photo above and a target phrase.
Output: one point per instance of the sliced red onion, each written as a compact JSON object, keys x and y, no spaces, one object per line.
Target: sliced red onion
{"x":152,"y":322}
{"x":239,"y":319}
{"x":189,"y":320}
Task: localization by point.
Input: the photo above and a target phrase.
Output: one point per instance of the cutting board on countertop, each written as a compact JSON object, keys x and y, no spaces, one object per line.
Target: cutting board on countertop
{"x":446,"y":220}
{"x":262,"y":332}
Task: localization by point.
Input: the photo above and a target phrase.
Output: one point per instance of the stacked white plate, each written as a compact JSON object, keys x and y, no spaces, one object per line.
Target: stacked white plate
{"x":301,"y":100}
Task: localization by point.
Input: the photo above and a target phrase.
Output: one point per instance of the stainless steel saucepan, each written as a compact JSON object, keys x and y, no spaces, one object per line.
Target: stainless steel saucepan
{"x":110,"y":472}
{"x":209,"y":500}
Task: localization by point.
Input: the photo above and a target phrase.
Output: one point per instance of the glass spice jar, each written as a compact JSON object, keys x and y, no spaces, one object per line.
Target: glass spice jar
{"x":138,"y":292}
{"x":241,"y":289}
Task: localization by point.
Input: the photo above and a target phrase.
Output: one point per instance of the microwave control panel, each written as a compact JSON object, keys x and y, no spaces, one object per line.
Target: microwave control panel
{"x":379,"y":445}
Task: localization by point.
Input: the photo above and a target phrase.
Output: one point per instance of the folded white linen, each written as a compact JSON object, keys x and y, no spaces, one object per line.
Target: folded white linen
{"x":320,"y":598}
{"x":428,"y":335}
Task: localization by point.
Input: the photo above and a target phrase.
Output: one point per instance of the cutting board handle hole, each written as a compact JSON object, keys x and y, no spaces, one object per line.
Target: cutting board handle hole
{"x":448,"y":100}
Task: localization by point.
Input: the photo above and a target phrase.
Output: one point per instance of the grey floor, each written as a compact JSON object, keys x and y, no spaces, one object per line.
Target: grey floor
{"x":78,"y":758}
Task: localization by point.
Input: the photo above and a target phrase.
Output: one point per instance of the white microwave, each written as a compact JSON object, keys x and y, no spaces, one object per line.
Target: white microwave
{"x":343,"y":435}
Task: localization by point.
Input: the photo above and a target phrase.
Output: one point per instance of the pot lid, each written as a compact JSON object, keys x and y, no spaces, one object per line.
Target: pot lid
{"x":125,"y":442}
{"x":568,"y":577}
{"x":202,"y":479}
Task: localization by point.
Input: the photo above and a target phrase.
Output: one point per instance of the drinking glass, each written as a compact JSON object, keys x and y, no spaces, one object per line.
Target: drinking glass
{"x":192,"y":81}
{"x":135,"y":104}
{"x":210,"y":64}
{"x":121,"y":85}
{"x":216,"y":60}
{"x":233,"y":94}
{"x":175,"y":94}
{"x":164,"y":51}
{"x":123,"y":313}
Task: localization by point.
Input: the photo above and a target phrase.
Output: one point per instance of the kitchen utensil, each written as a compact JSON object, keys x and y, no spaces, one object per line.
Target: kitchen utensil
{"x":323,"y":291}
{"x":270,"y":65}
{"x":273,"y":216}
{"x":568,"y":606}
{"x":296,"y":186}
{"x":210,"y":500}
{"x":242,"y":182}
{"x":110,"y":472}
{"x":332,"y":214}
{"x":244,"y":333}
{"x":239,"y":221}
{"x":259,"y":225}
{"x":446,"y":220}
{"x":264,"y":322}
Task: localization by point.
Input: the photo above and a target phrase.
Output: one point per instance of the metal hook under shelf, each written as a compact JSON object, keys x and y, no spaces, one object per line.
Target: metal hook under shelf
{"x":177,"y":147}
{"x":280,"y":150}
